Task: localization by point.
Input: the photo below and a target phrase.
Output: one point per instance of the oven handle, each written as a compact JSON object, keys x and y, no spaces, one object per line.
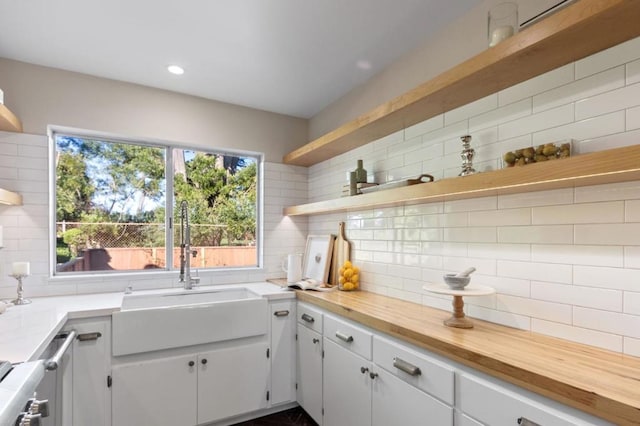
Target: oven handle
{"x":52,"y":363}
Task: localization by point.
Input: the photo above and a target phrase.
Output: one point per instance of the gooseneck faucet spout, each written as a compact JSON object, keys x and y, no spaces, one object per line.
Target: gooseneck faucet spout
{"x":185,"y":249}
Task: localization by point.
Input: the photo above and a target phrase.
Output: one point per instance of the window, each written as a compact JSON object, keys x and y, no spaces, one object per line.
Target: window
{"x":117,"y":206}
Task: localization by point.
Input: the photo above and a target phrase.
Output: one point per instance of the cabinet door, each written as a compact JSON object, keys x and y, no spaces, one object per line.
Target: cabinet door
{"x":397,"y":402}
{"x":159,"y":393}
{"x":283,"y":352}
{"x":91,"y":360}
{"x":347,"y":387}
{"x":309,"y":372}
{"x":232,"y":381}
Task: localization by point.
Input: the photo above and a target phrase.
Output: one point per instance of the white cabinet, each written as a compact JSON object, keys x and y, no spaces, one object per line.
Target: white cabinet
{"x":192,"y":389}
{"x":232,"y":381}
{"x":309,"y":361}
{"x":491,"y":403}
{"x":80,"y":382}
{"x":347,"y":387}
{"x":359,"y":391}
{"x":160,"y":392}
{"x":283,"y":352}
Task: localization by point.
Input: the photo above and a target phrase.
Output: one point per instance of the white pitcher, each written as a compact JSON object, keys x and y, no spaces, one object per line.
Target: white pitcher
{"x":292,"y":265}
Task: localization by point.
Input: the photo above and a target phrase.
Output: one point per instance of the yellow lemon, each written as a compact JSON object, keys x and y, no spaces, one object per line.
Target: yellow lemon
{"x":356,"y":270}
{"x":347,"y":265}
{"x":356,"y":285}
{"x":354,"y":278}
{"x":348,"y":273}
{"x":341,"y":271}
{"x":348,"y":286}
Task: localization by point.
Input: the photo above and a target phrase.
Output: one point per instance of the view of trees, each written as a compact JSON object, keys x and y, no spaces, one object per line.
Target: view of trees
{"x":111,"y":194}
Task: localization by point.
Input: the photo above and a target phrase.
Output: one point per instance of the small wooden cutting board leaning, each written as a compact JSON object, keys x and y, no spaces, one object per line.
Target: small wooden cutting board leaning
{"x":341,"y":253}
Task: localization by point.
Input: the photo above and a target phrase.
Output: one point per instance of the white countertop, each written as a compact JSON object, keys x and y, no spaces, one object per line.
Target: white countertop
{"x":26,"y":330}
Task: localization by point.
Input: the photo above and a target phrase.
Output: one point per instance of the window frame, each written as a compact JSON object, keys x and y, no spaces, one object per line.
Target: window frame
{"x":169,"y":223}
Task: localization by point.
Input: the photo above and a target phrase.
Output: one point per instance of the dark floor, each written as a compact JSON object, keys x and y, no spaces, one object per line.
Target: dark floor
{"x":293,"y":417}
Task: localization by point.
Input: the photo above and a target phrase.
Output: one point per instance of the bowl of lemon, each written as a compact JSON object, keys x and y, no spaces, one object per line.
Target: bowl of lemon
{"x":349,"y":277}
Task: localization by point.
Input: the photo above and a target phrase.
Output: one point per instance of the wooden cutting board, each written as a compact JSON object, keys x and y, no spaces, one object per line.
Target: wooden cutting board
{"x":341,"y":253}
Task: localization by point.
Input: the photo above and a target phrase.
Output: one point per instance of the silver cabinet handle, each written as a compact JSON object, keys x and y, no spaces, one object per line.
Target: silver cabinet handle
{"x":408,"y":368}
{"x":526,"y":422}
{"x":344,"y":337}
{"x":307,"y":318}
{"x":52,"y":363}
{"x":281,"y":313}
{"x":84,"y":337}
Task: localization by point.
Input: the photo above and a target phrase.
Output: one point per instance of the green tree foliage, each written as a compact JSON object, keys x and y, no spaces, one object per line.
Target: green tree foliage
{"x":74,"y":188}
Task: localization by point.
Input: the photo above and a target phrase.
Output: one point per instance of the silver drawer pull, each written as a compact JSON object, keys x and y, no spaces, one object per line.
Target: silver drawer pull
{"x":408,"y":368}
{"x":307,"y":318}
{"x":344,"y":337}
{"x":84,"y":337}
{"x":281,"y":313}
{"x":526,"y":422}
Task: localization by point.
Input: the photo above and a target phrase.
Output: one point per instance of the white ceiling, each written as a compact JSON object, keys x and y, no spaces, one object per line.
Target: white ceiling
{"x":288,"y":56}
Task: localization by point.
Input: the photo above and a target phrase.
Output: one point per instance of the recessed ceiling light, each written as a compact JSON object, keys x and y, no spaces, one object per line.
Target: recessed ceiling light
{"x":363,"y":65}
{"x":174,"y":69}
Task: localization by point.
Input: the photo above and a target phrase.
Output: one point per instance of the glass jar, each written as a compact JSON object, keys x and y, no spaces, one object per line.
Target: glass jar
{"x":502,"y":22}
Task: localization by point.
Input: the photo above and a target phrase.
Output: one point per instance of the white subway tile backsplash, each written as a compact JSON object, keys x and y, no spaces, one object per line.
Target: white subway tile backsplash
{"x":549,"y":272}
{"x":509,"y":286}
{"x":631,"y":346}
{"x":500,"y":217}
{"x":510,"y":319}
{"x":500,"y":251}
{"x":615,"y":100}
{"x":631,"y":303}
{"x":578,"y":255}
{"x":469,"y":205}
{"x":537,"y":122}
{"x":604,"y":277}
{"x":633,"y":118}
{"x":423,"y":127}
{"x":632,"y":211}
{"x":539,"y":84}
{"x":501,"y":115}
{"x":480,"y":106}
{"x":626,"y":234}
{"x":608,"y":300}
{"x":609,"y":58}
{"x":470,"y":234}
{"x":537,"y":198}
{"x":608,"y":192}
{"x":550,"y":311}
{"x":549,"y":234}
{"x":632,"y":257}
{"x":610,"y":322}
{"x":586,"y":129}
{"x":580,"y":89}
{"x":581,"y":335}
{"x":611,"y":212}
{"x":633,"y":72}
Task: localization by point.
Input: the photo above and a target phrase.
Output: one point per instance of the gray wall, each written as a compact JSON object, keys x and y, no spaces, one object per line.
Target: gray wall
{"x":462,"y":39}
{"x":40,"y":96}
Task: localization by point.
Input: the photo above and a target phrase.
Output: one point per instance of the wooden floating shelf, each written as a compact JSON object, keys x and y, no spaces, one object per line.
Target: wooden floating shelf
{"x":580,"y":30}
{"x":10,"y":198}
{"x":8,"y":121}
{"x":610,"y":166}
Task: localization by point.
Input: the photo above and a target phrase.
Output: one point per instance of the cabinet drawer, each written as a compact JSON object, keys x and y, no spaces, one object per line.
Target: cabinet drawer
{"x":493,"y":404}
{"x":348,"y":336}
{"x":310,"y":317}
{"x":423,"y":372}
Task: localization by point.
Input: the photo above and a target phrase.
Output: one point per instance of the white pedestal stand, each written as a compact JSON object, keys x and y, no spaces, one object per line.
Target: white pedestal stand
{"x":458,"y":319}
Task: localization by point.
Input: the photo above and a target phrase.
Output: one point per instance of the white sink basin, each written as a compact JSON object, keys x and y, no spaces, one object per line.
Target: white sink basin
{"x":158,"y":321}
{"x":187,"y":297}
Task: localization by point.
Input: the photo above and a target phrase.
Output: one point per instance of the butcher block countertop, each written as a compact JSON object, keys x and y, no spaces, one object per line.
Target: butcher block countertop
{"x":600,"y":382}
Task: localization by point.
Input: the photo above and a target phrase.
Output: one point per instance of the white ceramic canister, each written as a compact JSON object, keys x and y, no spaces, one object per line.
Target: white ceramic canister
{"x":292,"y":265}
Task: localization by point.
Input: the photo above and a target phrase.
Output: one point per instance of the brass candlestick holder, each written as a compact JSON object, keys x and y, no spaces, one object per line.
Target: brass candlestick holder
{"x":20,"y":300}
